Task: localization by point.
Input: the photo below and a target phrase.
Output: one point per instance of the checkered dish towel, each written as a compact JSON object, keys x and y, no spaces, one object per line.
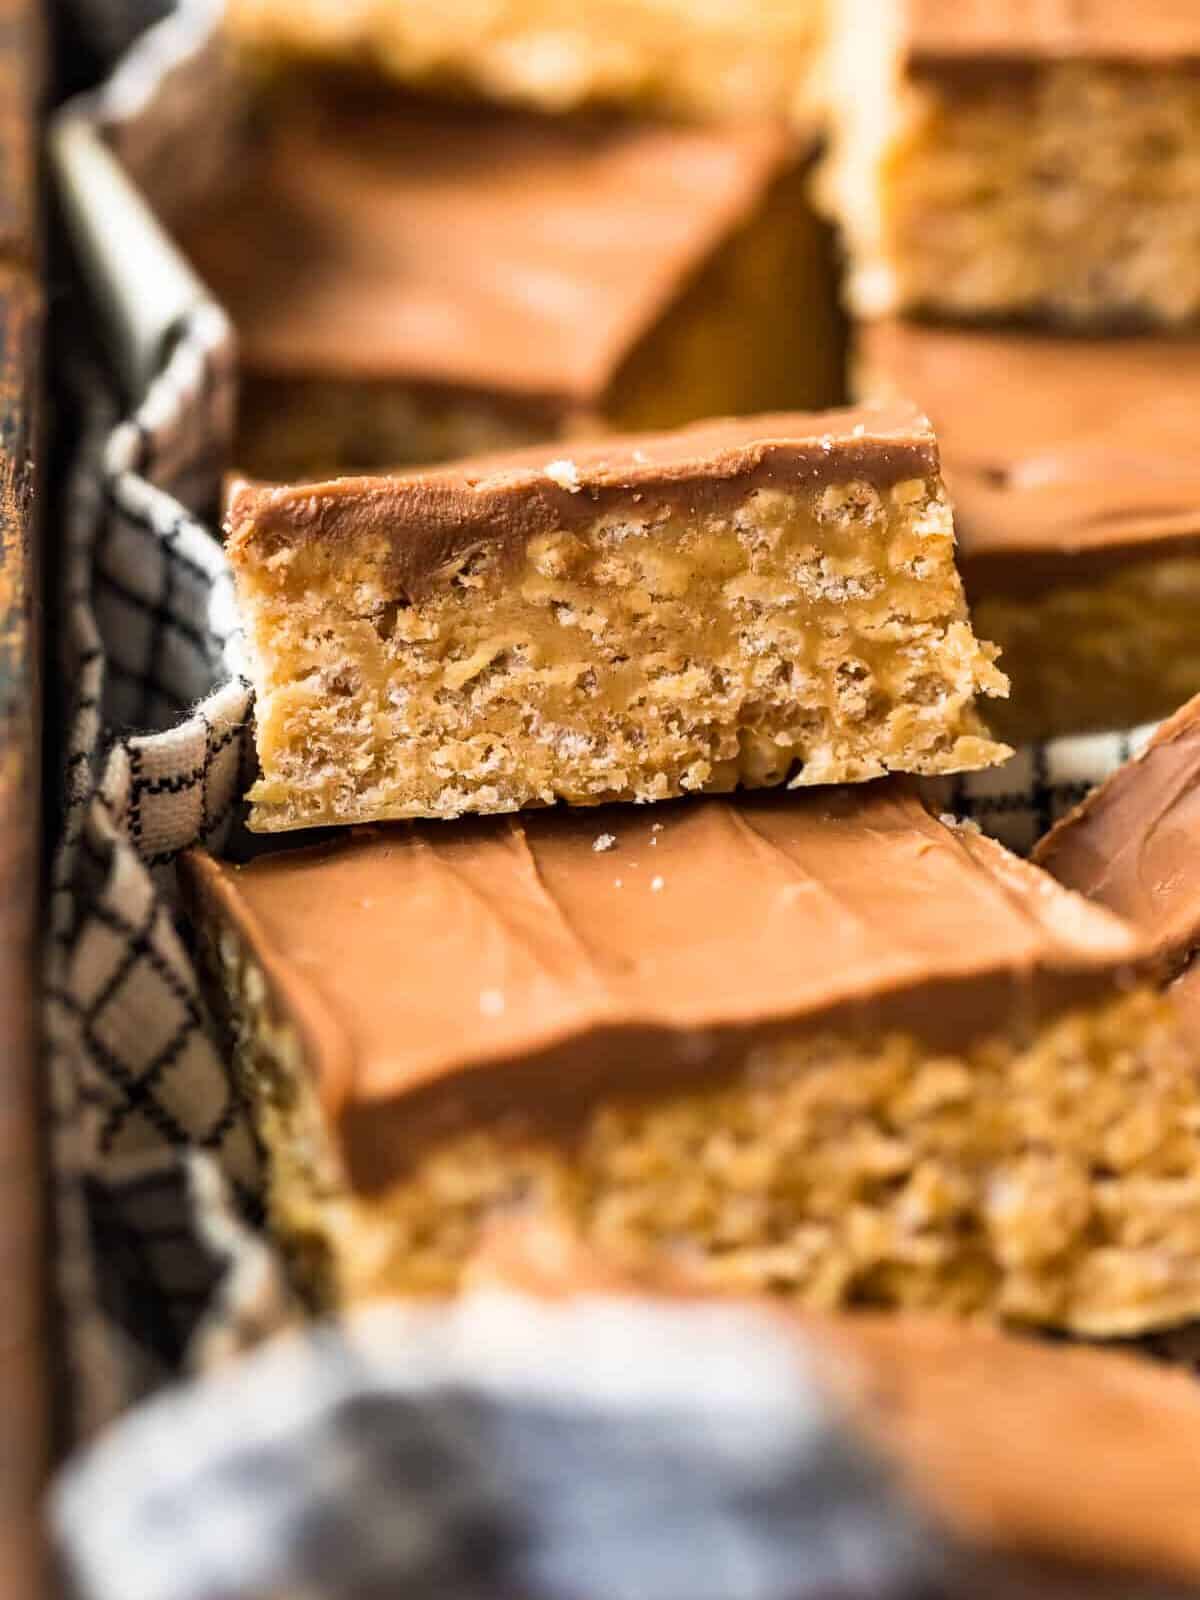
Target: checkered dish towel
{"x":159,"y":1269}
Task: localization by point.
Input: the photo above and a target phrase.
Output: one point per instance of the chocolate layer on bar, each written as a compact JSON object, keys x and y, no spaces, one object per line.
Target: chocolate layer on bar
{"x":1066,"y":1456}
{"x":506,"y":500}
{"x":1074,"y":469}
{"x":1063,"y":455}
{"x":945,"y":31}
{"x":471,"y":248}
{"x":1133,"y":845}
{"x":461,"y":974}
{"x":425,"y":261}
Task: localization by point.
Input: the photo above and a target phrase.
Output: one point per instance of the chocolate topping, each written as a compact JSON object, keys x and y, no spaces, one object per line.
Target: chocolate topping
{"x":370,"y":238}
{"x":1024,"y":30}
{"x":1133,"y":845}
{"x":1060,"y":454}
{"x":431,"y":515}
{"x":1069,"y":1455}
{"x":451,"y":973}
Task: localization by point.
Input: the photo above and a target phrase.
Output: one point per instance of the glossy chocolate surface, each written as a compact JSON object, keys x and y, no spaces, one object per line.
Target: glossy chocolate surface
{"x":1133,"y":845}
{"x":431,"y":516}
{"x":1063,"y":456}
{"x":372,"y":238}
{"x":444,"y":975}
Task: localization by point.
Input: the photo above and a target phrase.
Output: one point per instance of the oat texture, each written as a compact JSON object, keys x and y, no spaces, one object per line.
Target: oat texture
{"x":1052,"y":1182}
{"x":1068,"y":192}
{"x":814,"y":635}
{"x":1113,"y":653}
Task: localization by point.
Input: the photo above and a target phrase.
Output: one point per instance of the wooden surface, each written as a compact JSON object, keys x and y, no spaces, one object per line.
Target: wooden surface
{"x":23,"y":1389}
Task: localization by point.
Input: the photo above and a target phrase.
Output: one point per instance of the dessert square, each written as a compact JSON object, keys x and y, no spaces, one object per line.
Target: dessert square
{"x":1133,"y":844}
{"x":723,"y":59}
{"x":822,"y":1045}
{"x":746,"y":603}
{"x":1010,"y":158}
{"x":1065,"y":1458}
{"x":412,"y":282}
{"x":1073,"y":465}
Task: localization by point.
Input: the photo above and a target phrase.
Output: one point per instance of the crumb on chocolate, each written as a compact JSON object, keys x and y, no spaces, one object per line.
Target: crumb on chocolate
{"x":565,"y":474}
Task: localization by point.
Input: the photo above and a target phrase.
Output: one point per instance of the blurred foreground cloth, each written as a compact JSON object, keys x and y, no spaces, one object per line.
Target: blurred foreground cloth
{"x":506,"y":1449}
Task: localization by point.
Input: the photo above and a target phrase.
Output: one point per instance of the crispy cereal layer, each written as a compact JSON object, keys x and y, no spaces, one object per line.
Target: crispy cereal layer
{"x":814,"y":635}
{"x":1065,"y":191}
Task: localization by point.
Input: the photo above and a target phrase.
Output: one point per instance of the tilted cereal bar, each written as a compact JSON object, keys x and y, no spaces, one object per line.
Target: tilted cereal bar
{"x":751,"y":603}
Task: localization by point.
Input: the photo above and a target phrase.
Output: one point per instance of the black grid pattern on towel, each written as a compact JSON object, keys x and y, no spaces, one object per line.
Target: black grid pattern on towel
{"x":158,"y":748}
